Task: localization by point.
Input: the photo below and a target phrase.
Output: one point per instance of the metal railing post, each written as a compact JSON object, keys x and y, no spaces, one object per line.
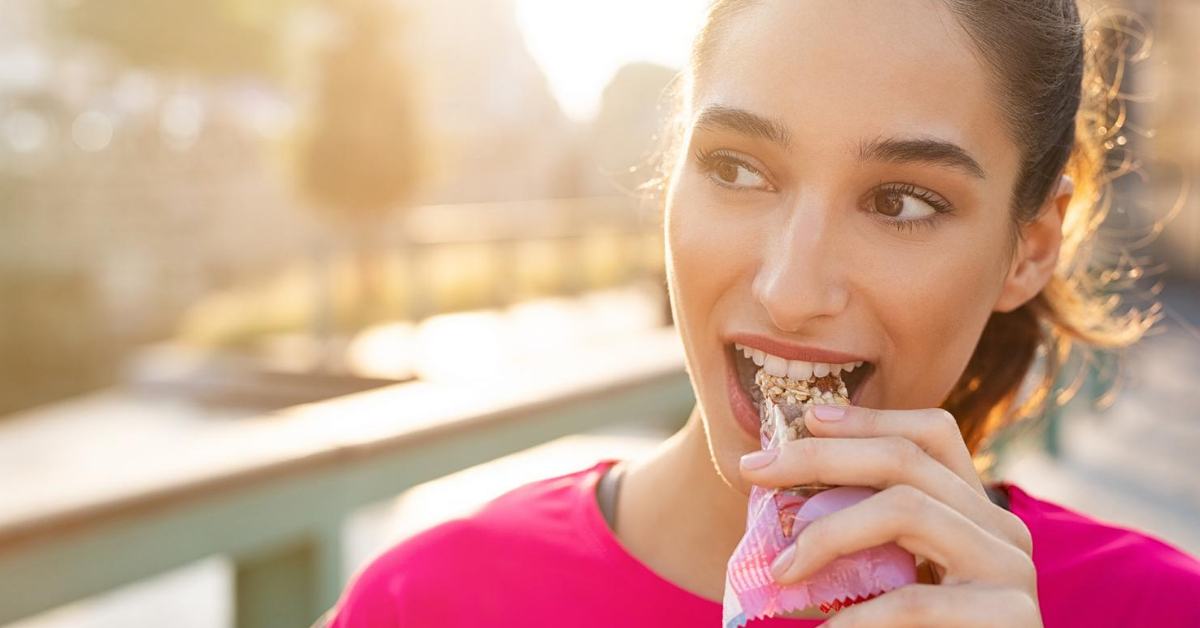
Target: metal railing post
{"x":290,"y":585}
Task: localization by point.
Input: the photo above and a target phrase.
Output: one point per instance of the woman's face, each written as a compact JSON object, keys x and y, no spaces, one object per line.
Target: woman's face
{"x":842,"y":187}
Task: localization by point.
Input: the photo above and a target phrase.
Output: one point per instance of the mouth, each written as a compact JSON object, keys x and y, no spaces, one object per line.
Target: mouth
{"x":745,"y":363}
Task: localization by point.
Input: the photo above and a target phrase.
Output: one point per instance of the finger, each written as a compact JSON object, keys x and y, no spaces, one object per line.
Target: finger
{"x":931,"y":606}
{"x":883,"y":462}
{"x":937,"y":433}
{"x":920,"y":524}
{"x":933,"y":430}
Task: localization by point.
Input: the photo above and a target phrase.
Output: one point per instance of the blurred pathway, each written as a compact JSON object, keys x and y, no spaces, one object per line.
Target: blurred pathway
{"x":1138,"y":462}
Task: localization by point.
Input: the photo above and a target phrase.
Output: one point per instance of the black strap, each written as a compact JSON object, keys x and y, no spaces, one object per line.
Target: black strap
{"x":998,"y":496}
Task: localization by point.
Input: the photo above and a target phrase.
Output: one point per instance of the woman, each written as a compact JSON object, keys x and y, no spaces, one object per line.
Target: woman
{"x":899,"y":183}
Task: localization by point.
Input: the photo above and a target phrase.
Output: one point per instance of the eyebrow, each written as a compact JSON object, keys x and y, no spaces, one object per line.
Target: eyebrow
{"x":744,"y":122}
{"x":929,"y":150}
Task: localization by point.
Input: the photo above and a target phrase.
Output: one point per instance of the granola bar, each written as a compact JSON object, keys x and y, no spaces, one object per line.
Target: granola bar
{"x":784,"y":401}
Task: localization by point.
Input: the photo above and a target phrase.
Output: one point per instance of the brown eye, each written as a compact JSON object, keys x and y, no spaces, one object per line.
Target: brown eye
{"x":906,"y":206}
{"x":727,"y":172}
{"x":731,"y":172}
{"x":904,"y":203}
{"x":888,"y":203}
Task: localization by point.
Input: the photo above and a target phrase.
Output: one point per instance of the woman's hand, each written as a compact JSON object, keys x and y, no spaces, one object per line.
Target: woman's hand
{"x":931,"y":502}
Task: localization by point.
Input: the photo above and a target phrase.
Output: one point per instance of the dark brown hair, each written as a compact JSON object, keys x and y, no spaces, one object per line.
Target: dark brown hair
{"x":1048,"y":72}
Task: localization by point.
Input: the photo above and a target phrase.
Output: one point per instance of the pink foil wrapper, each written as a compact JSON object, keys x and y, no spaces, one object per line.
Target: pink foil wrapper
{"x":774,"y":518}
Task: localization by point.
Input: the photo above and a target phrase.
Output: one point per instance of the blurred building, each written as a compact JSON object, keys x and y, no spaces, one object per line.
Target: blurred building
{"x":626,"y":134}
{"x":501,"y":134}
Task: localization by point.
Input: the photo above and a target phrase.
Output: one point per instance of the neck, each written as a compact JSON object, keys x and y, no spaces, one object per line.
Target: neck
{"x":678,"y":516}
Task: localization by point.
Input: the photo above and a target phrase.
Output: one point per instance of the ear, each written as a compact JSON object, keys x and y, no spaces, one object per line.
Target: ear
{"x":1036,"y":252}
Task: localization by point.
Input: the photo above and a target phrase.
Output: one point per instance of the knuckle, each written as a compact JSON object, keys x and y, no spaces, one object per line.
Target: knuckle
{"x":941,"y":431}
{"x":913,"y":603}
{"x":816,"y":534}
{"x":1027,"y":570}
{"x":805,"y":447}
{"x":906,"y":500}
{"x":1017,"y":531}
{"x":800,"y":458}
{"x":906,"y":451}
{"x":849,"y":618}
{"x":872,"y":419}
{"x":1024,"y":606}
{"x":945,"y":420}
{"x":1024,"y":538}
{"x":1015,"y":568}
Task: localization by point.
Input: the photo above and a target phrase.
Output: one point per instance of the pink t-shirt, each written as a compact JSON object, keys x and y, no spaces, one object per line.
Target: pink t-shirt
{"x":542,"y":555}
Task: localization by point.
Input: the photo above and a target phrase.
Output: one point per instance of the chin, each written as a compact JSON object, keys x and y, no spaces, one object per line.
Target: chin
{"x":727,"y":442}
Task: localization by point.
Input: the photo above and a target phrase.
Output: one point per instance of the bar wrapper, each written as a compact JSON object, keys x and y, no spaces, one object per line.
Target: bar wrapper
{"x":775,"y":516}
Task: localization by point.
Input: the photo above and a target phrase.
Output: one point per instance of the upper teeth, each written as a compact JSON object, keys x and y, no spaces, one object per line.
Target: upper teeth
{"x":795,"y":369}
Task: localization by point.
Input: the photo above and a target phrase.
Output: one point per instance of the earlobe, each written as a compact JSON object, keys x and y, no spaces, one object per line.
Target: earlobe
{"x":1036,"y":254}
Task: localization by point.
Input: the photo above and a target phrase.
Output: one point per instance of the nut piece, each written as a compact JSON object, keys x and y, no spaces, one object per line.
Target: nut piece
{"x":785,"y":400}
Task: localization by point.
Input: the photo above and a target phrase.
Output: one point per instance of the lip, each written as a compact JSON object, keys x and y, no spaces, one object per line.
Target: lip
{"x":789,"y":351}
{"x":743,"y":408}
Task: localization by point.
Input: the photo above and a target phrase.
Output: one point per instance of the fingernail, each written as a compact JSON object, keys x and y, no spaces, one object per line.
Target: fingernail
{"x":783,"y":561}
{"x":829,"y":413}
{"x":759,"y":459}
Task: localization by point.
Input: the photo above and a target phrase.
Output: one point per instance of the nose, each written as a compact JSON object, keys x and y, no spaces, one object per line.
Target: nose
{"x":801,"y":274}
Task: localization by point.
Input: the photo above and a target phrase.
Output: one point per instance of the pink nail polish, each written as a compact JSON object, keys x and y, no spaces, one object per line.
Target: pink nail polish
{"x":783,"y":561}
{"x":759,"y":459}
{"x":829,"y":413}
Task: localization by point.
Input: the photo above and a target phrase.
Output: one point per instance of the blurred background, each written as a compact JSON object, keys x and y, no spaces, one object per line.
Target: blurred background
{"x":284,"y":281}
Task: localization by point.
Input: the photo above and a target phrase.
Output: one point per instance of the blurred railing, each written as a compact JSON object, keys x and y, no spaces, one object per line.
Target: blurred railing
{"x":567,"y":231}
{"x":272,"y":493}
{"x":227,"y":280}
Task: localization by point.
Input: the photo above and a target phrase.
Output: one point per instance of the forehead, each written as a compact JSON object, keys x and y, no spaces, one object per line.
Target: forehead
{"x":834,"y":72}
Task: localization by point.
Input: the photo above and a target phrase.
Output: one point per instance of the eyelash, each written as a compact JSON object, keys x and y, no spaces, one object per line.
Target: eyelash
{"x":708,"y":161}
{"x":940,"y":206}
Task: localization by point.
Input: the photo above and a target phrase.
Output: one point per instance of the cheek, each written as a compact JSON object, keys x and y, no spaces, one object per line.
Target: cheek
{"x":934,"y":304}
{"x":711,"y":260}
{"x":710,"y":253}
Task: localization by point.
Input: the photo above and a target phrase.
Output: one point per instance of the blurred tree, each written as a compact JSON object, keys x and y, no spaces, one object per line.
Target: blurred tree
{"x":624,"y":135}
{"x":362,"y":158}
{"x":208,"y":37}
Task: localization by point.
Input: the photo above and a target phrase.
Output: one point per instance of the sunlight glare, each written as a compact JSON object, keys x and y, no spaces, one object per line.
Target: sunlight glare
{"x":580,"y":44}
